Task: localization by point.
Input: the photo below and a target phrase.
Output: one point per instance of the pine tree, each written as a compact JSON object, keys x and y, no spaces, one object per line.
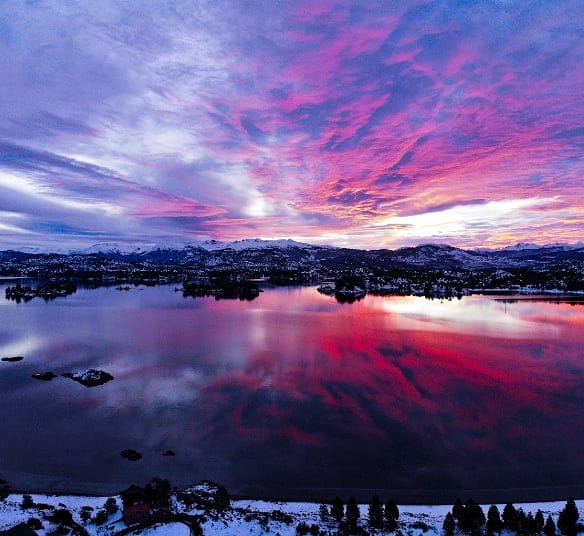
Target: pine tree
{"x":85,"y":514}
{"x":302,"y":529}
{"x":510,"y":518}
{"x":549,"y":529}
{"x":457,"y":509}
{"x":522,"y":525}
{"x":391,"y":514}
{"x":337,"y":510}
{"x":568,"y":519}
{"x":110,"y":506}
{"x":539,"y":521}
{"x":62,"y":516}
{"x":100,"y":517}
{"x":222,"y":499}
{"x":158,"y":491}
{"x":472,"y":518}
{"x":27,"y":502}
{"x":449,"y":525}
{"x":376,"y":512}
{"x":353,"y":514}
{"x":531,"y":528}
{"x":494,"y":523}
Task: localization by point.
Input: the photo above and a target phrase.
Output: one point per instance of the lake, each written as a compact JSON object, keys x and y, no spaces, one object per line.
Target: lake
{"x":295,"y":395}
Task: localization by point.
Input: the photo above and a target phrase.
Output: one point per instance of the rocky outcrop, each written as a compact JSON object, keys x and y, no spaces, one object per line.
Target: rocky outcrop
{"x":206,"y":494}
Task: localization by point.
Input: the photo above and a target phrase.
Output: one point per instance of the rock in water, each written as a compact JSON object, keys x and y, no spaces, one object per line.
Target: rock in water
{"x":44,"y":376}
{"x":168,"y":453}
{"x":13,"y":359}
{"x":89,"y":377}
{"x":131,"y":455}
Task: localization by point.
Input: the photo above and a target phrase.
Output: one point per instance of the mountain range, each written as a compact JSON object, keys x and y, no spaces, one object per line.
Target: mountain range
{"x":283,"y":253}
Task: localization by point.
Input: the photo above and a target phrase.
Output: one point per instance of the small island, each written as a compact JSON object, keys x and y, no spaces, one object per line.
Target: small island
{"x":89,"y":377}
{"x":47,"y":291}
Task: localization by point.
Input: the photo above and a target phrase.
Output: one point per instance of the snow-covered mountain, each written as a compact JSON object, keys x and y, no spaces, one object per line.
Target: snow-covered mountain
{"x":521,"y":246}
{"x":287,"y":254}
{"x":430,"y":255}
{"x":116,"y":248}
{"x":529,"y":253}
{"x":134,"y":249}
{"x":253,"y":243}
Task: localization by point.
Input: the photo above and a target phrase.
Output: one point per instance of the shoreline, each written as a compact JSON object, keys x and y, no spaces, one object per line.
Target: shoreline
{"x":23,"y":482}
{"x":417,"y":497}
{"x":94,"y":516}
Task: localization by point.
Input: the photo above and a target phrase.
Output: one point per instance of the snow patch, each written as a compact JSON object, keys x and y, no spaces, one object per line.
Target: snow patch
{"x":253,"y":517}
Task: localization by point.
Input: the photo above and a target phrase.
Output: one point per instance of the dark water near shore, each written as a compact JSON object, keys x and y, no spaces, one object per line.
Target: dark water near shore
{"x":295,"y":395}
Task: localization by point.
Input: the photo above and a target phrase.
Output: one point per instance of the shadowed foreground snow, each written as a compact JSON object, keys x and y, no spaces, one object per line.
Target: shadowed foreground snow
{"x":250,"y":517}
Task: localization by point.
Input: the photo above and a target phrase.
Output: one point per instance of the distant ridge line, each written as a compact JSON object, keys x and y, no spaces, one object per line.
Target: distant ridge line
{"x":141,"y":248}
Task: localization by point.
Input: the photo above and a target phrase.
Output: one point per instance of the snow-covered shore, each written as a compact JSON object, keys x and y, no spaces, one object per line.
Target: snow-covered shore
{"x":250,"y":517}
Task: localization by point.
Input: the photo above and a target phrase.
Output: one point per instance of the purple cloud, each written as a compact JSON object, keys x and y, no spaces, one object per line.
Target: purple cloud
{"x":173,"y":119}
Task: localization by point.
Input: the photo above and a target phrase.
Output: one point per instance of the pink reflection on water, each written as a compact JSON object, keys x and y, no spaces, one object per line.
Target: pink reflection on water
{"x":405,"y":391}
{"x":480,"y":370}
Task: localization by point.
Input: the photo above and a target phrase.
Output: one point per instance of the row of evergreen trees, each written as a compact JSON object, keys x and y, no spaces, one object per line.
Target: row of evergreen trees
{"x":470,"y":519}
{"x":381,"y":516}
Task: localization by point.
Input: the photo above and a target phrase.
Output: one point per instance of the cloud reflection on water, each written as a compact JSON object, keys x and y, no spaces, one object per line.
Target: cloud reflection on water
{"x":480,"y":316}
{"x":296,"y":390}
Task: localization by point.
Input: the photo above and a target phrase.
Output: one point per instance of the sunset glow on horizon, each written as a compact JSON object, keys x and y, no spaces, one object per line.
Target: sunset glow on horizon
{"x":361,"y":124}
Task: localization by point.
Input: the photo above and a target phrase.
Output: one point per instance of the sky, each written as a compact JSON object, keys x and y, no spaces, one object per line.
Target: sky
{"x":365,"y":124}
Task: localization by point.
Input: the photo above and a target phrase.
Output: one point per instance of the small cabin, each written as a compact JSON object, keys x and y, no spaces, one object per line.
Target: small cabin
{"x":137,"y":506}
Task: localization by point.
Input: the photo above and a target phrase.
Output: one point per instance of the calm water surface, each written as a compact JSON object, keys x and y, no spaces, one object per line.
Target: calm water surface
{"x":295,"y":394}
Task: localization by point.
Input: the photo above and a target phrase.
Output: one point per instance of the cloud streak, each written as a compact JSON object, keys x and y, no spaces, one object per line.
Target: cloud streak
{"x":342,"y":122}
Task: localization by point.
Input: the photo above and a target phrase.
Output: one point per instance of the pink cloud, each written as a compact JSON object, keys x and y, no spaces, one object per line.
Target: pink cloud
{"x":326,"y":118}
